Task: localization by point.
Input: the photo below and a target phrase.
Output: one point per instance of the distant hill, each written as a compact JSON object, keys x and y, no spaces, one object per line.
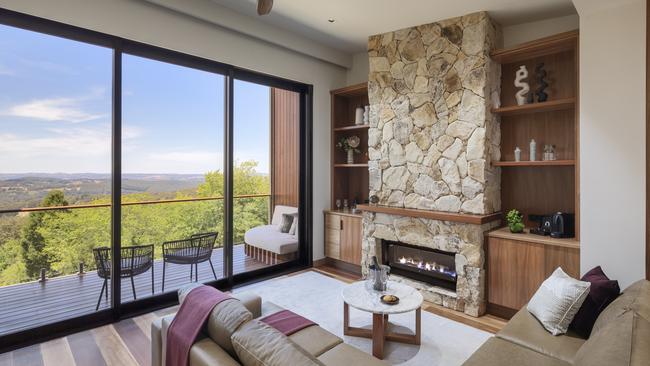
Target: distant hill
{"x":28,"y":190}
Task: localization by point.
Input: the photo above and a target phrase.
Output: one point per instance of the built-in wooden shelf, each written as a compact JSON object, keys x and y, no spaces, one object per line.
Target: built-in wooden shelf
{"x":535,"y":163}
{"x":352,"y":128}
{"x":433,"y":215}
{"x":545,"y":46}
{"x":526,"y":236}
{"x":342,"y":212}
{"x":552,"y":105}
{"x":350,"y":165}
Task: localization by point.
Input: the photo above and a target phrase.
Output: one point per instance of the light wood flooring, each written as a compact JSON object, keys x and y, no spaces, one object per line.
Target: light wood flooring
{"x":127,"y":342}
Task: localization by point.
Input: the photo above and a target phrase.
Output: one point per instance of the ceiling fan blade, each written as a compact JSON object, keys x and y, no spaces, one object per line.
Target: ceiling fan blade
{"x":264,"y":6}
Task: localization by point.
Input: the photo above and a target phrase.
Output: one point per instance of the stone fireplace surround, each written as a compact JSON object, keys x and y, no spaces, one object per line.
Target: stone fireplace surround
{"x":431,"y":141}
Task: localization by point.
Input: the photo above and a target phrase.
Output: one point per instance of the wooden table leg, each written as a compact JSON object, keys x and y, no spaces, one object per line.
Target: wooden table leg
{"x":378,"y":336}
{"x":418,"y":326}
{"x":385,"y":323}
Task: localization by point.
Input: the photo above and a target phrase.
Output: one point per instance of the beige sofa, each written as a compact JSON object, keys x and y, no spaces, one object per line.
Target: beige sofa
{"x":621,"y":336}
{"x":316,"y":341}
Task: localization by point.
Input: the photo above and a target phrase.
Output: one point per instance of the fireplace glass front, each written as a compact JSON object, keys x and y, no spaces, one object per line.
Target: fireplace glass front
{"x":428,"y":265}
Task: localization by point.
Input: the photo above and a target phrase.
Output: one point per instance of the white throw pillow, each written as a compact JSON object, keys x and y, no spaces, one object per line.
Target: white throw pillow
{"x":557,"y":301}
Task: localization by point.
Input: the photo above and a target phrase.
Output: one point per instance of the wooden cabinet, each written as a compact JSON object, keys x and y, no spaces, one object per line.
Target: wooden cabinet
{"x":343,"y":236}
{"x":519,"y":263}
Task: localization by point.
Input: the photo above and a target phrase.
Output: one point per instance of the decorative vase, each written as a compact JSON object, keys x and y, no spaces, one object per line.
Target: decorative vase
{"x":358,"y":116}
{"x":520,"y":75}
{"x":533,"y":150}
{"x":350,"y":156}
{"x":517,"y":154}
{"x":366,"y":115}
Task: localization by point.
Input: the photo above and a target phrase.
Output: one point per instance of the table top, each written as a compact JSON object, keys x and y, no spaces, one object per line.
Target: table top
{"x":359,"y":297}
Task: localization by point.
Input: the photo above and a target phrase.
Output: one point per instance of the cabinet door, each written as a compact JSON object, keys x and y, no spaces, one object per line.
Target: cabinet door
{"x":333,"y":236}
{"x":351,"y":239}
{"x":516,"y":269}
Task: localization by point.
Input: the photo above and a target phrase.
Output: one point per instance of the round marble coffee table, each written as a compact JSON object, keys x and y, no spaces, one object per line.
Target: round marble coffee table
{"x":359,"y":297}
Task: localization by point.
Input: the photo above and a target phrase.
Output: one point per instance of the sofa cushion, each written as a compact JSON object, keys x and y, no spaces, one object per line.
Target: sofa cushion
{"x":524,"y":330}
{"x":609,"y":346}
{"x":207,"y":353}
{"x":499,"y":352}
{"x":640,"y":340}
{"x":601,"y":293}
{"x":315,"y":340}
{"x":224,"y":319}
{"x":268,"y":237}
{"x":258,"y":344}
{"x":622,"y":304}
{"x":344,"y":354}
{"x":557,"y":301}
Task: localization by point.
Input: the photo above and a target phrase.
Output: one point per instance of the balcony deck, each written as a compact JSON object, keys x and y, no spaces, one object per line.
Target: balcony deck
{"x":32,"y":304}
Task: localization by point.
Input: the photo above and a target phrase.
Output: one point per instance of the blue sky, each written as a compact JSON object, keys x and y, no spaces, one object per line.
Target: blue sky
{"x":55,"y":111}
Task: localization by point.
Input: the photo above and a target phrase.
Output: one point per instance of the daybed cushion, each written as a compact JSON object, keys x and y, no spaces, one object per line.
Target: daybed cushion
{"x":499,"y":352}
{"x":268,"y":237}
{"x":526,"y":331}
{"x":280,"y":210}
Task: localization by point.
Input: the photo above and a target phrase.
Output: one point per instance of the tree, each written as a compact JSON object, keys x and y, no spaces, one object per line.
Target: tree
{"x":33,"y":243}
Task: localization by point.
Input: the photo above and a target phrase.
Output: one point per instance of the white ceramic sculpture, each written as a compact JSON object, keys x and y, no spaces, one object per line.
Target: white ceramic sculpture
{"x":366,"y":115}
{"x":520,"y":75}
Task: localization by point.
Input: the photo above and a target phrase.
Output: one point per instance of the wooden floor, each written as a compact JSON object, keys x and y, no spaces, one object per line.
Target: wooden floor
{"x":32,"y":304}
{"x":127,"y":343}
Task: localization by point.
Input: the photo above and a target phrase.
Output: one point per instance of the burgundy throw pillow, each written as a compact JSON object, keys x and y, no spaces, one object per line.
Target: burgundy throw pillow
{"x":601,"y":293}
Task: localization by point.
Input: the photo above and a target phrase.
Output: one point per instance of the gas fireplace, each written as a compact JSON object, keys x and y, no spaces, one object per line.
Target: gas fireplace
{"x":419,"y":263}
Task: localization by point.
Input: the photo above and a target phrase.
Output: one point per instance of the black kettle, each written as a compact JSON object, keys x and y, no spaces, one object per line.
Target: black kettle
{"x":563,"y":225}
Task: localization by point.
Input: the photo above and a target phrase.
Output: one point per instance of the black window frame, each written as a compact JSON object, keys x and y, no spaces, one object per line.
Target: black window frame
{"x":121,"y":46}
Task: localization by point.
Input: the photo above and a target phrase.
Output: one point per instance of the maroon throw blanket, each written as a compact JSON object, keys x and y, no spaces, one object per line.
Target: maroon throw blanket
{"x":287,"y":322}
{"x":188,"y":322}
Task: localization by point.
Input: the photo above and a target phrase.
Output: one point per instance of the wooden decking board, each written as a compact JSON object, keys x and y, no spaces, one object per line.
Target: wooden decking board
{"x":33,"y":304}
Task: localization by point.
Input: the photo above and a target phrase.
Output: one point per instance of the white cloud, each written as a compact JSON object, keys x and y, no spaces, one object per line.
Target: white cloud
{"x":54,"y":109}
{"x":69,"y":150}
{"x":4,"y":70}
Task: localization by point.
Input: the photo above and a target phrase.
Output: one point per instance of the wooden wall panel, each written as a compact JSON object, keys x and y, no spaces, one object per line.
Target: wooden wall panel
{"x":285,"y":129}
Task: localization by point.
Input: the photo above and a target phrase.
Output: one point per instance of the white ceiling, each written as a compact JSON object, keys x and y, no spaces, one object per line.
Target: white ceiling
{"x":358,"y":19}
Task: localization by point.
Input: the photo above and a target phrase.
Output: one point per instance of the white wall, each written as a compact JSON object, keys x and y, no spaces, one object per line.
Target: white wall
{"x":358,"y":73}
{"x":147,"y":23}
{"x":520,"y":33}
{"x":612,"y":137}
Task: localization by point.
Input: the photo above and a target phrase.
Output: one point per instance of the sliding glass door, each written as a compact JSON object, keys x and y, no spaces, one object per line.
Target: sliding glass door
{"x":265,"y":155}
{"x":172,"y":176}
{"x":55,"y":174}
{"x":128,"y":171}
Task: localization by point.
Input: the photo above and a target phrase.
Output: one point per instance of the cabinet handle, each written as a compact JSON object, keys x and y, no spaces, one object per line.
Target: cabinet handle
{"x":341,"y":224}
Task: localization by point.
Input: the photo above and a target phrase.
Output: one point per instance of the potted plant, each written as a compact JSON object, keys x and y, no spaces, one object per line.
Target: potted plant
{"x":515,"y":221}
{"x":349,"y":145}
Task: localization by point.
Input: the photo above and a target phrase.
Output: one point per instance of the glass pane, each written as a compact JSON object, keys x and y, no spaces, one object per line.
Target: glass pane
{"x":172,"y":176}
{"x":266,"y":177}
{"x":55,"y":155}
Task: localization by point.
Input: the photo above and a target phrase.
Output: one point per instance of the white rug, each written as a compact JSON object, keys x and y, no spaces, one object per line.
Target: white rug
{"x":318,"y":297}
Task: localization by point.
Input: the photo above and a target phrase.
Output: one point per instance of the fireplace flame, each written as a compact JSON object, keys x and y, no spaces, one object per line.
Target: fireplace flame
{"x":427,"y":266}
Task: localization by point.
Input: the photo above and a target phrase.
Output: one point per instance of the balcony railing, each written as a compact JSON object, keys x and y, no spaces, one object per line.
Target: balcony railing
{"x":74,"y":290}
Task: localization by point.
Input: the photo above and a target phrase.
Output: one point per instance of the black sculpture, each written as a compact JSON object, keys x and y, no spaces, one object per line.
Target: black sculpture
{"x":540,"y":73}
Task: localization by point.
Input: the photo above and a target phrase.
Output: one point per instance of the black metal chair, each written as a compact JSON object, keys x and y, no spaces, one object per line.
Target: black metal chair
{"x":135,"y":260}
{"x":194,"y":250}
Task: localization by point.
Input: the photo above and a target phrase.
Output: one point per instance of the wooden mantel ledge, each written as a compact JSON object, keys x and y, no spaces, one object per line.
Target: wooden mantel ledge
{"x":433,"y":215}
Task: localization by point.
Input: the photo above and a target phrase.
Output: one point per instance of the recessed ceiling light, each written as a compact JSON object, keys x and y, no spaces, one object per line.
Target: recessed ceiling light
{"x":331,"y":20}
